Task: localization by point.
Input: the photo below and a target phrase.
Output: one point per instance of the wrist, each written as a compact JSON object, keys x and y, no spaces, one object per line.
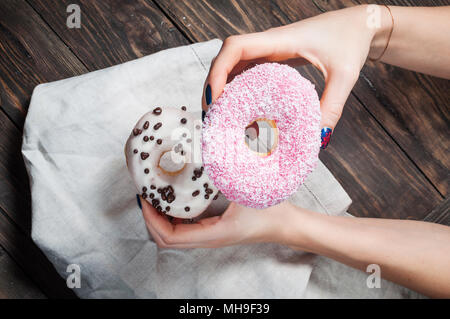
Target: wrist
{"x":298,"y":228}
{"x":379,"y":20}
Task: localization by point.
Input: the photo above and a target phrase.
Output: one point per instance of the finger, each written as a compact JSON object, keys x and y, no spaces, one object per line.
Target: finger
{"x":198,"y":234}
{"x":242,"y":48}
{"x":338,"y":86}
{"x":245,"y":65}
{"x":146,"y":207}
{"x":159,"y":240}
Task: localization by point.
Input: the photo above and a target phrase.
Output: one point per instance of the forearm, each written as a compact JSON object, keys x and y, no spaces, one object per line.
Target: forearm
{"x":411,"y":253}
{"x":420,"y":39}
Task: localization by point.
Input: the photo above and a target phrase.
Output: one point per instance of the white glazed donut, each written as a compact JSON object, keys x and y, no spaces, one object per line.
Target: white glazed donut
{"x":163,"y":156}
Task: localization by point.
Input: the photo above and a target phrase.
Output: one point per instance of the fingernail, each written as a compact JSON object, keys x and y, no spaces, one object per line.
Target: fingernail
{"x":203,"y":115}
{"x":138,"y":199}
{"x":325,"y":135}
{"x":208,"y":95}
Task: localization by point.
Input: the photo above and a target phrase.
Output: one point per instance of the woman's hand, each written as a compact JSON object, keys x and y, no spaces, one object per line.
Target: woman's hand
{"x":237,"y":225}
{"x":337,"y":43}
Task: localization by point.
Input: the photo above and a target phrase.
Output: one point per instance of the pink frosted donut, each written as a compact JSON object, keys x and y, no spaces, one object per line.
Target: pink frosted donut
{"x":268,"y":91}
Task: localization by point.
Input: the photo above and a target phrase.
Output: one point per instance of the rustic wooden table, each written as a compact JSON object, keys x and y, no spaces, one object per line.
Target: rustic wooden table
{"x":390,"y":150}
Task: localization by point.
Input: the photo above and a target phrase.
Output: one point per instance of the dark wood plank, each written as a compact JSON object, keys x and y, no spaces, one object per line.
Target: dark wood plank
{"x":15,"y":199}
{"x":379,"y":177}
{"x":112,"y":32}
{"x":15,"y":215}
{"x":412,"y":107}
{"x":23,"y":250}
{"x":30,"y":54}
{"x":440,"y":214}
{"x":14,"y":283}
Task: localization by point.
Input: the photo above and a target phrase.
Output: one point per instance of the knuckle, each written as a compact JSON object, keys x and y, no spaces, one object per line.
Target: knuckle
{"x":168,"y":240}
{"x":334,"y":113}
{"x":160,"y":244}
{"x":348,"y":71}
{"x":232,"y":40}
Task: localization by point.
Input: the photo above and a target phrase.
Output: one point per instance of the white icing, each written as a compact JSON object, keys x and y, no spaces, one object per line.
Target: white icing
{"x":163,"y":161}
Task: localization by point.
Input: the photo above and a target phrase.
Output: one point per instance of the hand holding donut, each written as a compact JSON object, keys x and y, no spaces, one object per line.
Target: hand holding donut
{"x":337,"y":43}
{"x":237,"y":225}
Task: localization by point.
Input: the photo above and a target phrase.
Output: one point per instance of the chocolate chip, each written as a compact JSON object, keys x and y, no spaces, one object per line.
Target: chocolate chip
{"x":135,"y":151}
{"x":205,"y":185}
{"x":188,"y":140}
{"x":170,"y":189}
{"x":183,"y":121}
{"x":209,"y":191}
{"x":206,"y":196}
{"x":184,"y":135}
{"x":137,"y":131}
{"x":159,"y":190}
{"x":157,"y":126}
{"x":152,"y":187}
{"x":182,"y":153}
{"x":145,"y":138}
{"x":187,"y":208}
{"x":157,"y":111}
{"x":202,"y":168}
{"x":144,"y":155}
{"x":151,"y":195}
{"x":194,"y":178}
{"x":159,"y":141}
{"x":146,"y":125}
{"x":196,"y":193}
{"x":198,"y":173}
{"x":183,"y":108}
{"x":152,"y":138}
{"x":144,"y":195}
{"x":163,"y":196}
{"x":159,"y":209}
{"x":170,"y":198}
{"x":144,"y":189}
{"x":155,"y":202}
{"x":146,"y":171}
{"x":215,"y":197}
{"x":167,"y":208}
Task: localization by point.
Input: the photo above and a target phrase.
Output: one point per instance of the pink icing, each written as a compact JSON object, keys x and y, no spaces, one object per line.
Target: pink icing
{"x":272,"y":91}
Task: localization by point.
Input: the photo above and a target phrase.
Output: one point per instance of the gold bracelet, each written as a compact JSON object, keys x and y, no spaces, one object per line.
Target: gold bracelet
{"x":389,"y":37}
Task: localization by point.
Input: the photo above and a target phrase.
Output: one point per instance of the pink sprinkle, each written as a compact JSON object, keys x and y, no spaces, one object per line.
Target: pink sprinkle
{"x":272,"y":91}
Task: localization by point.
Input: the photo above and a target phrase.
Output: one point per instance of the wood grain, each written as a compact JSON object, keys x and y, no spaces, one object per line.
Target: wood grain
{"x":30,"y":54}
{"x":412,"y":107}
{"x":380,"y":178}
{"x":14,"y":284}
{"x":15,"y":215}
{"x":440,"y":214}
{"x":111,"y":32}
{"x":22,"y":249}
{"x":388,"y":168}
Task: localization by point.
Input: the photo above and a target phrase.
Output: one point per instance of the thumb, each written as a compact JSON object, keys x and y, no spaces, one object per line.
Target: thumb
{"x":221,"y":66}
{"x":338,"y":86}
{"x":235,"y":53}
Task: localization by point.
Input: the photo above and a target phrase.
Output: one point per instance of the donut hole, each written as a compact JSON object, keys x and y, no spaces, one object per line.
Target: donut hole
{"x":261,"y":136}
{"x":171,"y":163}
